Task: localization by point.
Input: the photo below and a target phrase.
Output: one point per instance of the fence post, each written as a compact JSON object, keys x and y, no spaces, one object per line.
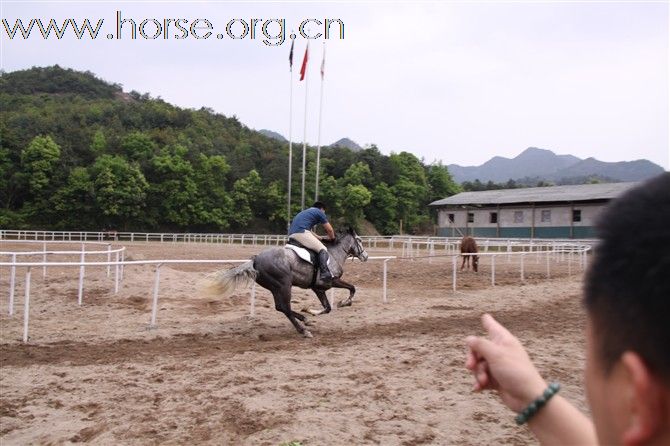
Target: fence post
{"x":12,"y":284}
{"x":44,"y":259}
{"x":154,"y":304}
{"x":453,"y":267}
{"x":493,"y":270}
{"x":116,"y":274}
{"x":26,"y":306}
{"x":109,"y":259}
{"x":569,"y":255}
{"x":548,"y":272}
{"x":522,"y":272}
{"x":384,"y":299}
{"x":80,"y":296}
{"x":123,"y":259}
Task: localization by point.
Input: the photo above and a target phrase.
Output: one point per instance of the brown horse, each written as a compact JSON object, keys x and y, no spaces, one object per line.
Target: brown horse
{"x":469,"y":246}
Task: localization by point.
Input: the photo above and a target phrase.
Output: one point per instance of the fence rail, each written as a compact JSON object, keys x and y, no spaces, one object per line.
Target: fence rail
{"x":390,"y":241}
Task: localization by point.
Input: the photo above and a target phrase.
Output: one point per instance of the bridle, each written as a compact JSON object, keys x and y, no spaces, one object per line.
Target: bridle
{"x":359,"y":250}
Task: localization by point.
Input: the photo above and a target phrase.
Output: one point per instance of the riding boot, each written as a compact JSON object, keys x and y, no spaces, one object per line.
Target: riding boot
{"x":326,"y":275}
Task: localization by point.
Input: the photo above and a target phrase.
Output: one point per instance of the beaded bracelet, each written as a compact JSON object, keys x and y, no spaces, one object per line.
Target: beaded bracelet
{"x":536,"y":405}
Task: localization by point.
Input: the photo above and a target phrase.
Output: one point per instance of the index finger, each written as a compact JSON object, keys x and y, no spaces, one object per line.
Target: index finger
{"x":494,"y":329}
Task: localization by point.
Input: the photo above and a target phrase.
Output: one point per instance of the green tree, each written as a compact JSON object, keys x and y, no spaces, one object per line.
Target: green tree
{"x":410,"y":198}
{"x":39,"y":161}
{"x":242,"y":198}
{"x":139,"y":147}
{"x":440,"y":182}
{"x":120,"y":191}
{"x":99,"y":143}
{"x":382,"y":209}
{"x":409,"y":167}
{"x":355,"y":198}
{"x":6,"y":172}
{"x":358,"y":173}
{"x":332,"y":195}
{"x":411,"y":190}
{"x":214,"y":204}
{"x":172,"y":195}
{"x":75,"y":202}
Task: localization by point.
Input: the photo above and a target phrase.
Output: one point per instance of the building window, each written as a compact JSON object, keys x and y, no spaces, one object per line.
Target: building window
{"x":546,"y":216}
{"x":576,"y":215}
{"x":451,"y":218}
{"x":494,"y":217}
{"x":518,"y":216}
{"x":471,"y":217}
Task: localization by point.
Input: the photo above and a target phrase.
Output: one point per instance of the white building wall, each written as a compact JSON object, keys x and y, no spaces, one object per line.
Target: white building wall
{"x":561,"y":216}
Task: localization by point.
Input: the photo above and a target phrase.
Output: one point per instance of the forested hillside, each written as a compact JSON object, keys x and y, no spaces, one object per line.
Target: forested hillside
{"x":79,"y":153}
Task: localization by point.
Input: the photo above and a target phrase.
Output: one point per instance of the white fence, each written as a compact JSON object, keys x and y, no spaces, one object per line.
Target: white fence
{"x":411,"y":249}
{"x":390,"y":242}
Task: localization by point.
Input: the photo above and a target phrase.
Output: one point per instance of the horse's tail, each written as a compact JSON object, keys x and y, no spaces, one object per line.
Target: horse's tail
{"x":223,"y":282}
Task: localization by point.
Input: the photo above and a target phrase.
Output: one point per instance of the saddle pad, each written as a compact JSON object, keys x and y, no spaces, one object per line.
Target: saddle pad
{"x":302,"y":252}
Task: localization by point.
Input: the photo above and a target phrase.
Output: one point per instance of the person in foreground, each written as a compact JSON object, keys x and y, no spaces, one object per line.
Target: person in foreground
{"x":627,"y":300}
{"x":301,"y":231}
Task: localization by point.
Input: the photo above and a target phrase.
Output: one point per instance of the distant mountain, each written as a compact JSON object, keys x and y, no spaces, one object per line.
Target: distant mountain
{"x":273,"y":135}
{"x":344,"y":142}
{"x":623,"y":171}
{"x":546,"y":165}
{"x":349,"y":144}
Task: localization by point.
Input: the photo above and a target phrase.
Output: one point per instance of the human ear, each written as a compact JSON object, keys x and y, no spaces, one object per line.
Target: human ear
{"x":646,"y":393}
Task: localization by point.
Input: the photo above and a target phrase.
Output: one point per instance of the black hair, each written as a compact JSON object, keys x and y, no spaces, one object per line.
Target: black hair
{"x":319,"y":205}
{"x":627,"y":289}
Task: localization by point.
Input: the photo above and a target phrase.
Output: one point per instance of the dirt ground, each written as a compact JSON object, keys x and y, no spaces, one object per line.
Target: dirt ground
{"x":374,"y":373}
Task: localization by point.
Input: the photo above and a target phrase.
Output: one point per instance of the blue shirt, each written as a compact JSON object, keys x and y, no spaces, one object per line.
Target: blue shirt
{"x":307,"y":219}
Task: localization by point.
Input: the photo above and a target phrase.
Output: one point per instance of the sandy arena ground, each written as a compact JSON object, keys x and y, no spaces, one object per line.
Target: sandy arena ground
{"x":374,"y":373}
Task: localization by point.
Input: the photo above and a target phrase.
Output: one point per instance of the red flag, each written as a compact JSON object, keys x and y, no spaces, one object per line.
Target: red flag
{"x":290,"y":56}
{"x":303,"y":70}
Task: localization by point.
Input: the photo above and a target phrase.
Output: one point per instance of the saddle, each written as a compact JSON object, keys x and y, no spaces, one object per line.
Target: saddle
{"x":304,"y":253}
{"x":307,"y":255}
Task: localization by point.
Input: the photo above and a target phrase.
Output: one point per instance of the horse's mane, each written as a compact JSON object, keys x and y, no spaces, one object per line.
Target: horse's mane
{"x":339,"y":235}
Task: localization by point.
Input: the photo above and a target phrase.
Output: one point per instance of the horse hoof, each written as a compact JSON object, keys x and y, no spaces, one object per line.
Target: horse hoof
{"x":344,"y":303}
{"x":307,"y":334}
{"x":310,"y":323}
{"x":312,"y":312}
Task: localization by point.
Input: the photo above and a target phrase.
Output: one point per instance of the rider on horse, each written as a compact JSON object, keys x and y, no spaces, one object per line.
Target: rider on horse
{"x":301,"y":231}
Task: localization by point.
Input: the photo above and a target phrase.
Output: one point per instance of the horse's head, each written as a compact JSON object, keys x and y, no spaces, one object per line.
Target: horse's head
{"x":475,"y":262}
{"x":353,"y":244}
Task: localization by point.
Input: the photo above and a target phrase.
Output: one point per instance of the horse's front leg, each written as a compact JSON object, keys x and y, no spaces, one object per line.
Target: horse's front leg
{"x":321,"y":294}
{"x":339,"y":283}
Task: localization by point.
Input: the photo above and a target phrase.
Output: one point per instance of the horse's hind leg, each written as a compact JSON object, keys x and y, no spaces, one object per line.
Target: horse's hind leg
{"x":339,"y":283}
{"x":283,"y":303}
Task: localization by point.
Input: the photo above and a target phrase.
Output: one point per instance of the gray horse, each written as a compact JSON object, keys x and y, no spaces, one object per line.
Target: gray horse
{"x":278,"y":269}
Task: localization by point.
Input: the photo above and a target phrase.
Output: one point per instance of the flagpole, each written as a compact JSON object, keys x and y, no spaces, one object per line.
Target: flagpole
{"x":304,"y":135}
{"x":290,"y":141}
{"x":318,"y":139}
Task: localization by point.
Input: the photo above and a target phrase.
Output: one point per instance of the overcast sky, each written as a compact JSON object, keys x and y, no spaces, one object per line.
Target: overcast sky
{"x":458,"y":82}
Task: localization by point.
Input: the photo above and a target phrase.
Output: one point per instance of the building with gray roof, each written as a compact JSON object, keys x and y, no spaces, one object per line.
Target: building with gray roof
{"x":536,"y":212}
